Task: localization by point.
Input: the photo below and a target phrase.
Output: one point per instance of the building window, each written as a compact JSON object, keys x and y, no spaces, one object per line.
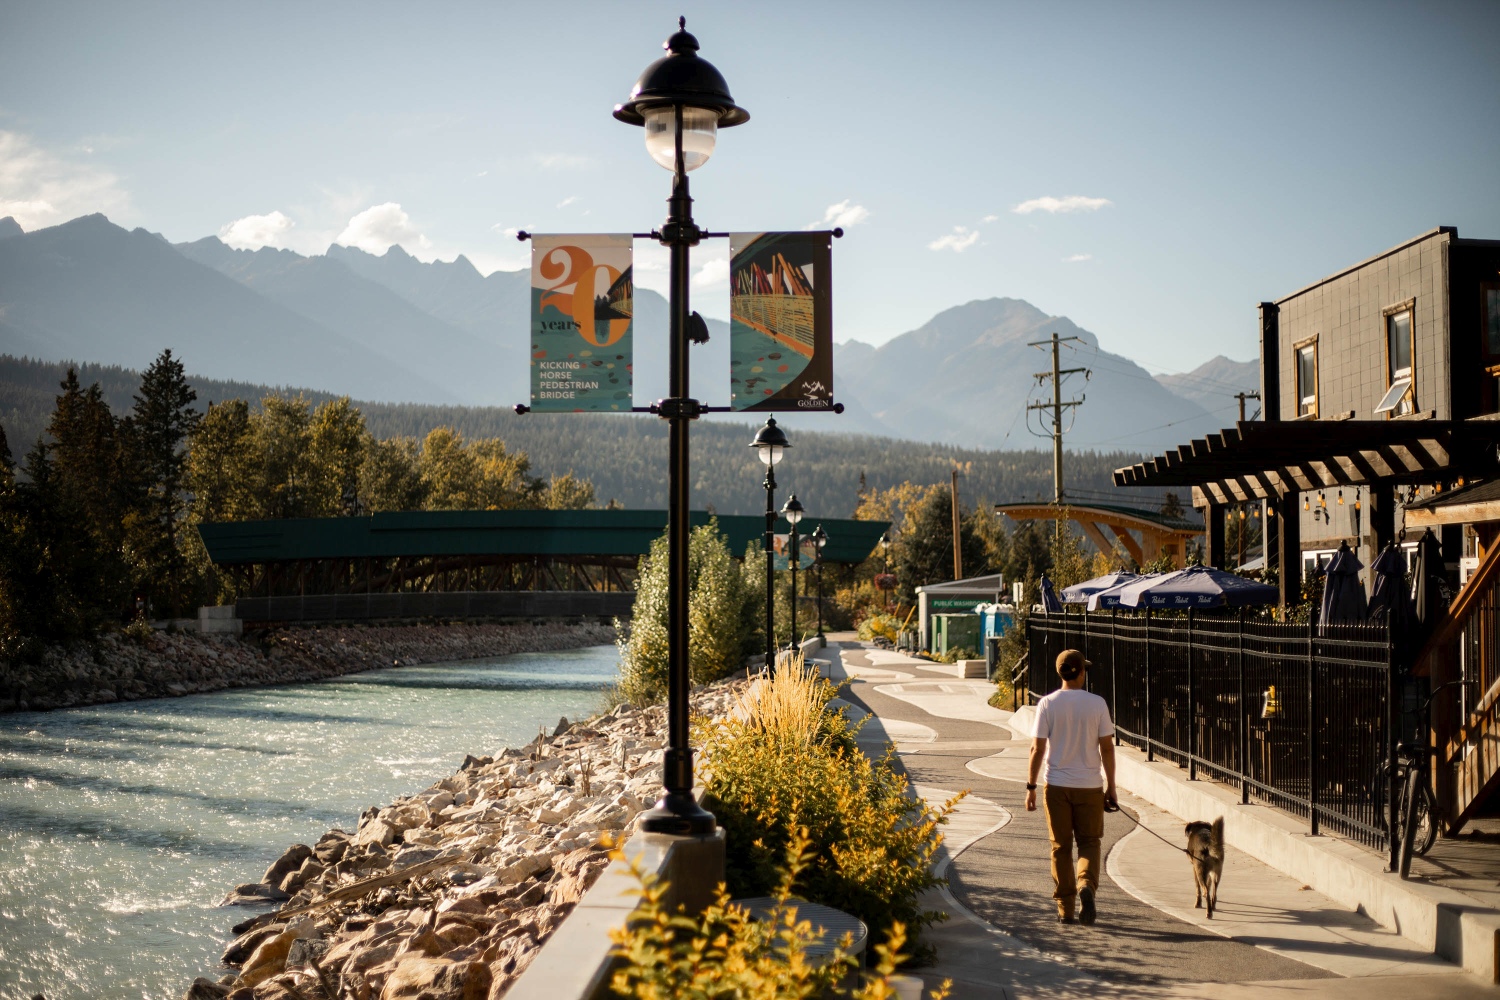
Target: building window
{"x":1400,"y":396}
{"x":1307,"y":378}
{"x":1489,"y":305}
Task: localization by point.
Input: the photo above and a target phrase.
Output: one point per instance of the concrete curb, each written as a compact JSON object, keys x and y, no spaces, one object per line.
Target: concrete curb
{"x":1450,"y":924}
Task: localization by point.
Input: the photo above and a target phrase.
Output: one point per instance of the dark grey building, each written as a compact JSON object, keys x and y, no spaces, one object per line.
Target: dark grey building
{"x":1412,"y":333}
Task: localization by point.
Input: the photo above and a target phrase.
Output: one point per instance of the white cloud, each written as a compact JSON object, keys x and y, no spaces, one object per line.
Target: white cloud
{"x":560,"y":161}
{"x":567,"y":201}
{"x":1071,"y":203}
{"x":713,"y":272}
{"x":841,"y":216}
{"x":256,"y":231}
{"x":41,"y":189}
{"x":1078,"y":258}
{"x":990,"y":218}
{"x":375,"y":229}
{"x":958,"y":241}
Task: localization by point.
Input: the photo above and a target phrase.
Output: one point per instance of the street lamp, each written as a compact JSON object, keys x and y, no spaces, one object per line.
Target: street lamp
{"x":820,"y":539}
{"x":770,"y":444}
{"x":792,"y":511}
{"x":681,"y":101}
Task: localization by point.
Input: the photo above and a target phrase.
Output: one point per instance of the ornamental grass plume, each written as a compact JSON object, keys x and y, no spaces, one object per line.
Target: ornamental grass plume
{"x":789,"y":707}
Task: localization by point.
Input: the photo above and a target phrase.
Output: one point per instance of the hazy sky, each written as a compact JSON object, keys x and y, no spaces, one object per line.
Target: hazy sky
{"x":1151,"y":170}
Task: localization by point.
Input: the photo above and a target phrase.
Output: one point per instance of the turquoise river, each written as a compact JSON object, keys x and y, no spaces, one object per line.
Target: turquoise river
{"x":121,"y":826}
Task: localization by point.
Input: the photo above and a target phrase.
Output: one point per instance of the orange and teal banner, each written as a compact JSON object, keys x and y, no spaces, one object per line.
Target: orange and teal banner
{"x":781,"y":549}
{"x":781,"y":321}
{"x":582,"y":298}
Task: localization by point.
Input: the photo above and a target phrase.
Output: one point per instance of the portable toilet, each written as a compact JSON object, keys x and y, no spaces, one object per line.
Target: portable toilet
{"x":995,"y":620}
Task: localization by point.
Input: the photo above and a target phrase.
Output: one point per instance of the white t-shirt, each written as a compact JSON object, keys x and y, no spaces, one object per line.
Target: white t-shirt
{"x":1073,"y":723}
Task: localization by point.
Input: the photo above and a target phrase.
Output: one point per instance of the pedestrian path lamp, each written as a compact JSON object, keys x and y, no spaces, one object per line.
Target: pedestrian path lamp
{"x":682,"y":102}
{"x":820,"y":539}
{"x":792,"y":511}
{"x":770,"y":444}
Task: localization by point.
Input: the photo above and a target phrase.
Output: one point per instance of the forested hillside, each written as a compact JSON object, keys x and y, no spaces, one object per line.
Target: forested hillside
{"x":625,"y":456}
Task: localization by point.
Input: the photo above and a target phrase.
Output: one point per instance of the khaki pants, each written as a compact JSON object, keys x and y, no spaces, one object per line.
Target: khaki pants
{"x":1074,"y":812}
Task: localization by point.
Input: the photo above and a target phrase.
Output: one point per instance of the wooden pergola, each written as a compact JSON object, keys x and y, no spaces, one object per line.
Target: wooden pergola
{"x":1276,"y":460}
{"x":1160,"y":535}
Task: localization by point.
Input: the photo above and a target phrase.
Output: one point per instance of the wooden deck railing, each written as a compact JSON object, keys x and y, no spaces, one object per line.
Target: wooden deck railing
{"x":1466,"y":646}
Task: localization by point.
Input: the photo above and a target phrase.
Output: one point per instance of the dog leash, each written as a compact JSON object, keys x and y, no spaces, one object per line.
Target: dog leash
{"x":1140,"y":826}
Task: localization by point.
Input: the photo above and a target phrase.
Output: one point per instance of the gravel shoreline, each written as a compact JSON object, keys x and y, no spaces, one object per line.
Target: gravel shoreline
{"x":122,"y":667}
{"x":448,"y":894}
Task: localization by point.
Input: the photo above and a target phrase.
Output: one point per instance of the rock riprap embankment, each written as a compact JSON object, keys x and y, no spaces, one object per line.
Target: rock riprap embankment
{"x":449,"y":893}
{"x":124,"y":667}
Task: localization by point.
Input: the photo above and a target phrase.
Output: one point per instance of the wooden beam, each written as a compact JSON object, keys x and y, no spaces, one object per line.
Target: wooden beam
{"x":1132,"y":546}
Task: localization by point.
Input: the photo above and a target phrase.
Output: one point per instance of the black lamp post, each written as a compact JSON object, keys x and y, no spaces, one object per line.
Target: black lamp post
{"x":682,"y":101}
{"x":820,"y":539}
{"x":792,"y":511}
{"x":770,"y":444}
{"x":885,"y":558}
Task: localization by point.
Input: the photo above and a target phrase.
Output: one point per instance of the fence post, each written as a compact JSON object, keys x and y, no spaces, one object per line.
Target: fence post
{"x":1392,"y":734}
{"x":1243,"y":734}
{"x":1312,"y":732}
{"x":1192,"y":706}
{"x":1149,"y":754}
{"x":1114,"y":673}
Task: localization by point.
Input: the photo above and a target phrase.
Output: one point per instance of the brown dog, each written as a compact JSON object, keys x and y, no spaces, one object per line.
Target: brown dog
{"x":1205,"y":849}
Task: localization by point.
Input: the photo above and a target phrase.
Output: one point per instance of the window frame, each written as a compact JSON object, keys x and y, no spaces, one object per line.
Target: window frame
{"x":1302,"y":398}
{"x":1490,"y":393}
{"x":1409,"y":398}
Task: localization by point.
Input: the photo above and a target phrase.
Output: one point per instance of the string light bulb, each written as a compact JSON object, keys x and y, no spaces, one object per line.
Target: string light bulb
{"x":1341,"y":498}
{"x":1307,"y":503}
{"x":1322,"y":501}
{"x":1356,"y":499}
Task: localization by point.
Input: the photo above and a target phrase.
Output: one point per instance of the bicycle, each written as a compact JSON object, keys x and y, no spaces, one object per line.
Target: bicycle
{"x":1416,"y":806}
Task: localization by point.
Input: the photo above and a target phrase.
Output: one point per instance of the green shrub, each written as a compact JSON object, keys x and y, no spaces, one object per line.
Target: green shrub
{"x":716,"y":618}
{"x":724,"y":953}
{"x":881,"y":625}
{"x":872,"y":844}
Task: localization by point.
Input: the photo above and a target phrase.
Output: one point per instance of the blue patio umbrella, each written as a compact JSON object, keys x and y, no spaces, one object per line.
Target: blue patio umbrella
{"x":1197,"y":587}
{"x":1050,"y":603}
{"x":1343,"y":595}
{"x":1103,"y":600}
{"x":1080,"y":593}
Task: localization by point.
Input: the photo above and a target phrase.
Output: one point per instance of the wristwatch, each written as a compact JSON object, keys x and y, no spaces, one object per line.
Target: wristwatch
{"x":1030,"y":787}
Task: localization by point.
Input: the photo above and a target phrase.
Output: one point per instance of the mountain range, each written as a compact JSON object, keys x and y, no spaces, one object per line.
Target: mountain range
{"x":392,"y":328}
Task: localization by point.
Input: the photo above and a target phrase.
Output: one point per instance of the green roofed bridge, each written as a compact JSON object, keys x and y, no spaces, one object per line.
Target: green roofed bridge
{"x":466,"y":563}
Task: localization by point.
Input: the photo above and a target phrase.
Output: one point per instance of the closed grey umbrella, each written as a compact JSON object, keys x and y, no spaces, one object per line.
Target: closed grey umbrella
{"x":1429,"y":589}
{"x":1390,"y":600}
{"x":1343,"y":595}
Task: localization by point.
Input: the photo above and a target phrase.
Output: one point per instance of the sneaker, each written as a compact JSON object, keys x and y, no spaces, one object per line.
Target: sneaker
{"x":1086,"y":913}
{"x":1066,"y":918}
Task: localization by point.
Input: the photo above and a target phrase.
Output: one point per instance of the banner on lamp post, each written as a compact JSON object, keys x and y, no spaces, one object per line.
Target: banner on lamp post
{"x":781,"y":321}
{"x":582,"y":300}
{"x":781,"y":546}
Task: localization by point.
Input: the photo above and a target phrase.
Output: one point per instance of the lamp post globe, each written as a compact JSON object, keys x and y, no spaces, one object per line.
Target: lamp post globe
{"x":770,"y":443}
{"x":681,"y":101}
{"x":792,"y":511}
{"x":820,"y":541}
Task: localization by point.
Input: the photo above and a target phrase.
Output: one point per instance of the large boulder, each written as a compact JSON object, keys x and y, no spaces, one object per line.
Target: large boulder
{"x":286,"y":864}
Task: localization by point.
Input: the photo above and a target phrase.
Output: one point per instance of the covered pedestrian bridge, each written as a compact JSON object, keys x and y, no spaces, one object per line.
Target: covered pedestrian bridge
{"x":466,"y":564}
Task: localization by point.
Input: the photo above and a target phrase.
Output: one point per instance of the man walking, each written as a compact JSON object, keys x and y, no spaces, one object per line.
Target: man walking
{"x":1073,"y":734}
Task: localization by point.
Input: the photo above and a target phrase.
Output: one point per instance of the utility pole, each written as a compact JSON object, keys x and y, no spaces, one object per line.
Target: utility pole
{"x":1057,"y":374}
{"x":1242,"y":396}
{"x":958,"y":557}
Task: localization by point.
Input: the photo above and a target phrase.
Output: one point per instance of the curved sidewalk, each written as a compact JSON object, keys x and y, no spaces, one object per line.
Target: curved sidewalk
{"x":1269,"y":934}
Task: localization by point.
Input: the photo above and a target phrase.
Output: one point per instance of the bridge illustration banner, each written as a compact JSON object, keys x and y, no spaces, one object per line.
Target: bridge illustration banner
{"x":582,"y":297}
{"x":781,"y":321}
{"x":781,"y":549}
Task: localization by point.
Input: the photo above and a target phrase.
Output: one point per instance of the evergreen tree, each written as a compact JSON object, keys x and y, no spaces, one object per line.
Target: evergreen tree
{"x":162,"y":421}
{"x":282,"y":432}
{"x":223,"y":469}
{"x":923,"y":552}
{"x":7,"y":464}
{"x":1030,"y":552}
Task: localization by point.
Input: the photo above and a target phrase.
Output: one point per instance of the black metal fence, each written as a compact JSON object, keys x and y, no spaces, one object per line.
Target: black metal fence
{"x":1297,"y":716}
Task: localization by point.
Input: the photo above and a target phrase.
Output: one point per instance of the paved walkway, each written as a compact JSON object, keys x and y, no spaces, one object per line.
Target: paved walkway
{"x":1270,"y":936}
